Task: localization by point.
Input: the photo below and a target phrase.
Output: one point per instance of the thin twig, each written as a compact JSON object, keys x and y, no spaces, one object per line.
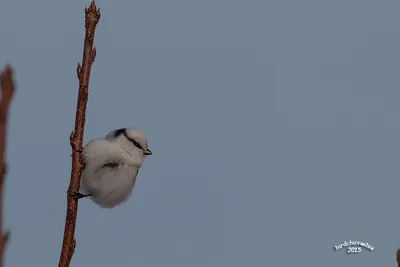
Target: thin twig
{"x":7,"y":92}
{"x":76,"y":138}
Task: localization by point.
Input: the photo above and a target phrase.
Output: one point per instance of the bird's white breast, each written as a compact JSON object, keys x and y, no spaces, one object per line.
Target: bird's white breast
{"x":109,"y":186}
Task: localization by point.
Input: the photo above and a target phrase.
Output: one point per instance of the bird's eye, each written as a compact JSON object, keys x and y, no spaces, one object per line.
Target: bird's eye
{"x":133,"y":141}
{"x":136,"y":144}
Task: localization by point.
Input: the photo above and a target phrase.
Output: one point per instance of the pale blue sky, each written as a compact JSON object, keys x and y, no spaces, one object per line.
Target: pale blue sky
{"x":274,"y":127}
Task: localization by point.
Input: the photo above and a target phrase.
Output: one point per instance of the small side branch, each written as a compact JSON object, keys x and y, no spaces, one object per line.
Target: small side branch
{"x":7,"y":92}
{"x":92,"y":17}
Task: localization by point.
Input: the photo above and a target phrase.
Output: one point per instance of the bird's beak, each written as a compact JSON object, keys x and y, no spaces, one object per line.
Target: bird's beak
{"x":147,"y":152}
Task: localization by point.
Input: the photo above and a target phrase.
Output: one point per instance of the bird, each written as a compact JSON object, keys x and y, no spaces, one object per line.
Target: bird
{"x":111,"y":165}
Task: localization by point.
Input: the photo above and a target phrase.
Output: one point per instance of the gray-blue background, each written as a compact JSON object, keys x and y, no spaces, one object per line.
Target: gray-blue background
{"x":274,"y":127}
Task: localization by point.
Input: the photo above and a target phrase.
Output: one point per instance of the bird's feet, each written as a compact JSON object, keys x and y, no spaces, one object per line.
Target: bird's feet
{"x":77,"y":195}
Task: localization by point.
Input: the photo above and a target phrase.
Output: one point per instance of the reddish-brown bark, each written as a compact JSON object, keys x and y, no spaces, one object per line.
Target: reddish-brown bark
{"x":7,"y":92}
{"x":76,"y":139}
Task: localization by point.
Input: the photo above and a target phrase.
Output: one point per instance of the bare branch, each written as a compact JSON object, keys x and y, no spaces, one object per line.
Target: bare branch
{"x":92,"y":17}
{"x":7,"y":92}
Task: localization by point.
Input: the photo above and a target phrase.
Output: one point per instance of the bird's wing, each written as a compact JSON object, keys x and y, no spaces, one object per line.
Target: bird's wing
{"x":101,"y":153}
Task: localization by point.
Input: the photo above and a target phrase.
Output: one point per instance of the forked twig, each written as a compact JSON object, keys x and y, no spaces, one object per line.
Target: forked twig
{"x":7,"y":92}
{"x":92,"y":17}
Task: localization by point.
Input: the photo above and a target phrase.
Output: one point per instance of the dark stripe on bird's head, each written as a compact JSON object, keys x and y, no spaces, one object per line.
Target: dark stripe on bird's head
{"x":122,"y":131}
{"x":133,"y":141}
{"x":118,"y":132}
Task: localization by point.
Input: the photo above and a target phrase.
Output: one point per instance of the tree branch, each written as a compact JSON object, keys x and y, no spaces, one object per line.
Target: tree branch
{"x":92,"y":17}
{"x":7,"y":92}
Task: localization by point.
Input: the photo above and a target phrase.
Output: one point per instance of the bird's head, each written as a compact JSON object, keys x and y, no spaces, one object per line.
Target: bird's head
{"x":132,"y":139}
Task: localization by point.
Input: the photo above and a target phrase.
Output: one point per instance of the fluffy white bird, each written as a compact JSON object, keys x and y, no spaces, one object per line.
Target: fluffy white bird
{"x":111,"y":166}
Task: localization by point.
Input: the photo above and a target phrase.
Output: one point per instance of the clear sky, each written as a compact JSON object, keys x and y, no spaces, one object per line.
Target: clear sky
{"x":274,"y":126}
